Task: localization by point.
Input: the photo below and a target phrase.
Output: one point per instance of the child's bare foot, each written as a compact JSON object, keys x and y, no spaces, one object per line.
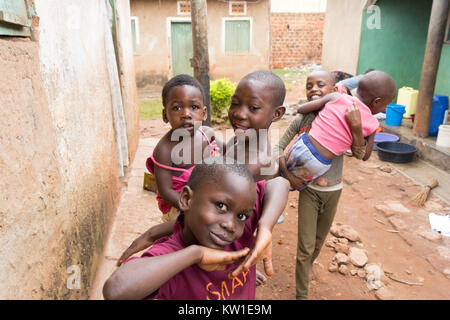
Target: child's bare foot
{"x":260,"y":278}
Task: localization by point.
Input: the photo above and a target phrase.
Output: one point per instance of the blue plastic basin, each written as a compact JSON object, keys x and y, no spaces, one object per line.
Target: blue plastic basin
{"x":382,"y":136}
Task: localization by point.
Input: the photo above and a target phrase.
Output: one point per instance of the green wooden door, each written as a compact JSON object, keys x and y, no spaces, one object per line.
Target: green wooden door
{"x":182,"y":51}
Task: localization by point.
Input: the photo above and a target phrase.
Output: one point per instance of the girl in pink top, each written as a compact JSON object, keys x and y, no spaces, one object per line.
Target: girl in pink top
{"x":330,"y":134}
{"x":182,"y":98}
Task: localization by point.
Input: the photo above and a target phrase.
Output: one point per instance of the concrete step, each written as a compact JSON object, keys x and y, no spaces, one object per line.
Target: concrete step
{"x":428,"y":150}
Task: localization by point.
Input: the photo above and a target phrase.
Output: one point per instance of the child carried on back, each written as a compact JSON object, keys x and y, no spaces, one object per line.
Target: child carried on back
{"x":331,"y":135}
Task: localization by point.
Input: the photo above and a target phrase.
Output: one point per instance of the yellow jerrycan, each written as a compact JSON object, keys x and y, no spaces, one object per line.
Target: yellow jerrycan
{"x":408,"y":97}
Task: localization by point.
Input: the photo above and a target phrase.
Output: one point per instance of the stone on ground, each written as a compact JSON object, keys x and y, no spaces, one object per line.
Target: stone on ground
{"x":345,"y":231}
{"x":374,"y":273}
{"x":333,"y":267}
{"x":384,"y":294}
{"x":430,"y":235}
{"x":358,"y":257}
{"x":341,"y":258}
{"x":396,"y":206}
{"x":342,"y":248}
{"x":343,"y":269}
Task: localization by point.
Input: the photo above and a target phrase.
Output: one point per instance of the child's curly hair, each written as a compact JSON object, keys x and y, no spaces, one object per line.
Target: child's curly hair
{"x":180,"y":80}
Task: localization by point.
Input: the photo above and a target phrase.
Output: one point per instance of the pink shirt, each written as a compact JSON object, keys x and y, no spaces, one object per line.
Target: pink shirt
{"x":177,"y":182}
{"x":331,"y":129}
{"x":194,"y":283}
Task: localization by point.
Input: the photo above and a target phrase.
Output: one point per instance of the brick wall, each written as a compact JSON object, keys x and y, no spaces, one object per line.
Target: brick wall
{"x":296,"y":39}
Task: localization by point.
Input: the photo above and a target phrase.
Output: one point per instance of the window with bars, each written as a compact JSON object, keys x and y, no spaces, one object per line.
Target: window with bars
{"x":14,"y":18}
{"x":237,"y":8}
{"x":184,"y":7}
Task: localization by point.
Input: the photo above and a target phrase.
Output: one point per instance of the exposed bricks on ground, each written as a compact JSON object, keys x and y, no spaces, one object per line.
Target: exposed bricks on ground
{"x":296,"y":39}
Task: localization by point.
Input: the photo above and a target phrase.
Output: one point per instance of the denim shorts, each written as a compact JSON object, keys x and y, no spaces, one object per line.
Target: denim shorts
{"x":304,"y":161}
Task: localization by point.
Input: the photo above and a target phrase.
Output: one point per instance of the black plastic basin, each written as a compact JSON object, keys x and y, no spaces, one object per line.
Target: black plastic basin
{"x":396,"y":151}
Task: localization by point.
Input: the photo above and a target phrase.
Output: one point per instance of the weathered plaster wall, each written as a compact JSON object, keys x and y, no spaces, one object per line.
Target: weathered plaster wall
{"x":153,"y":56}
{"x":341,"y":35}
{"x":58,"y":158}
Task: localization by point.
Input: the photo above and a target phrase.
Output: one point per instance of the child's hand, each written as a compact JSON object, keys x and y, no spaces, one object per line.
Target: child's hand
{"x":137,"y":245}
{"x":353,"y":117}
{"x":262,"y":249}
{"x":296,"y":182}
{"x":212,"y":259}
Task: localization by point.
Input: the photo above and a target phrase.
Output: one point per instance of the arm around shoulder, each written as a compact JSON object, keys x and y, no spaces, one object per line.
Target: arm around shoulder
{"x":318,"y":104}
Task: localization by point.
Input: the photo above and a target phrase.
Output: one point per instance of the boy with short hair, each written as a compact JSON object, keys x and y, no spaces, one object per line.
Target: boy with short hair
{"x":220,"y":207}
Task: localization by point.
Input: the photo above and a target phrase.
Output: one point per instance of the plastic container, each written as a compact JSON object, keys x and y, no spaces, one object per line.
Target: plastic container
{"x":408,"y":97}
{"x":399,"y":152}
{"x":394,"y":114}
{"x":381,"y":137}
{"x":443,"y":137}
{"x":438,"y":108}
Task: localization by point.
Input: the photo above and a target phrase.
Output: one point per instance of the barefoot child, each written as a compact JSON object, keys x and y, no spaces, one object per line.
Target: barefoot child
{"x":182,"y":98}
{"x":318,"y":202}
{"x":330,"y":134}
{"x":256,"y":103}
{"x":220,"y":208}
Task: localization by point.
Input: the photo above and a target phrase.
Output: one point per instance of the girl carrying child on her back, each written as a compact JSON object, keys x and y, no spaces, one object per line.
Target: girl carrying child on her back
{"x":182,"y":98}
{"x":318,"y":202}
{"x":331,"y":132}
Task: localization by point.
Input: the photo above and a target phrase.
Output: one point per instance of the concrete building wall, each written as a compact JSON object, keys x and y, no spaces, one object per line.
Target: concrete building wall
{"x":296,"y":39}
{"x":341,"y":35}
{"x":57,"y":153}
{"x":153,"y":54}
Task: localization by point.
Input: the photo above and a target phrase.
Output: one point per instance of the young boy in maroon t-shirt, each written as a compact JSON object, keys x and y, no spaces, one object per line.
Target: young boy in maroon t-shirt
{"x":221,"y":206}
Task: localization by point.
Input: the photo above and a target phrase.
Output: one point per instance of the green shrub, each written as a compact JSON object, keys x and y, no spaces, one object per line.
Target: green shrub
{"x":221,"y":91}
